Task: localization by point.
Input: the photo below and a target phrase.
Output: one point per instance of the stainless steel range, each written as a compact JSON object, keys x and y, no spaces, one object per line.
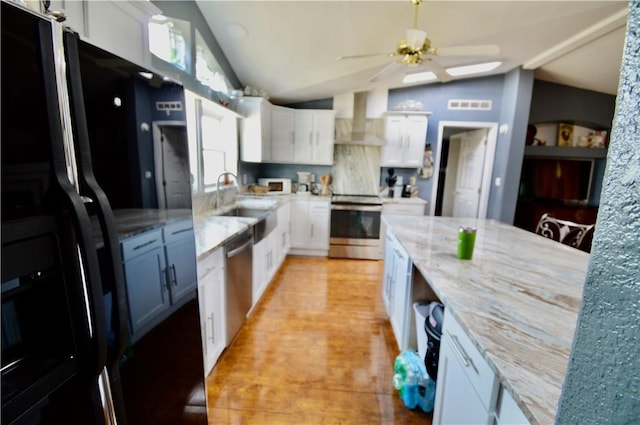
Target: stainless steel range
{"x":355,"y":227}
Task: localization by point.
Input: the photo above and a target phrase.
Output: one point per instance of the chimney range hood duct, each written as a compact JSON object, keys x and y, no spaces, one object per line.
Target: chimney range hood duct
{"x":359,"y":134}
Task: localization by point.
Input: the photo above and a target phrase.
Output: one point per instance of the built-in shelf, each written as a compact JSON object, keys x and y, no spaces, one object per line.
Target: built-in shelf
{"x":564,"y":152}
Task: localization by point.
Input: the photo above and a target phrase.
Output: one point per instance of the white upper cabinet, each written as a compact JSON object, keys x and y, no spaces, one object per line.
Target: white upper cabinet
{"x":256,"y":130}
{"x":121,"y":27}
{"x":314,"y":136}
{"x":282,"y":122}
{"x":74,"y":13}
{"x":272,"y":133}
{"x":405,"y":137}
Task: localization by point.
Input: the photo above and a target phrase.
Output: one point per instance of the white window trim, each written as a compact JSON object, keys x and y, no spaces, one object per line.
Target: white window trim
{"x":196,"y":107}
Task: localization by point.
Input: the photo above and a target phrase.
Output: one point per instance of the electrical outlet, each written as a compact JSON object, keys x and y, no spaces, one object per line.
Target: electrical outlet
{"x":244,"y":179}
{"x":147,"y":174}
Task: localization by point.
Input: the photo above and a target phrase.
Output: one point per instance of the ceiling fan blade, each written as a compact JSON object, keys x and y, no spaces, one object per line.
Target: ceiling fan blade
{"x":440,"y":72}
{"x":480,"y":50}
{"x":365,"y":56}
{"x":385,"y":72}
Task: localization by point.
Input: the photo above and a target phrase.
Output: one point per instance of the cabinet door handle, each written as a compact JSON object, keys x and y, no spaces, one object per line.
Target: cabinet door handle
{"x":212,"y":337}
{"x":461,"y":353}
{"x":177,"y":232}
{"x":175,"y":277}
{"x":164,"y":285}
{"x":144,"y":244}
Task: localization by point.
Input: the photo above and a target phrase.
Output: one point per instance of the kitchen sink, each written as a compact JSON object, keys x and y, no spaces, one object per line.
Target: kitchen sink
{"x":246,"y":212}
{"x":267,"y":220}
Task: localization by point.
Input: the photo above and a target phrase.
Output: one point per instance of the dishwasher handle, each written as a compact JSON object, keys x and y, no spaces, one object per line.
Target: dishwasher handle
{"x":241,"y":248}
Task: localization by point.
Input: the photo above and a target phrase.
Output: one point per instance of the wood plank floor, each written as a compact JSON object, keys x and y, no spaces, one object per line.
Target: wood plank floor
{"x":317,"y":349}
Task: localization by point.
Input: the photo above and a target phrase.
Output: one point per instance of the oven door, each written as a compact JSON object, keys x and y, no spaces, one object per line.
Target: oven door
{"x":355,"y":231}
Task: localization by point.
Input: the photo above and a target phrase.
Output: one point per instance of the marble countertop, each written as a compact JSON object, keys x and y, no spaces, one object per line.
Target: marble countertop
{"x":132,"y":221}
{"x":212,"y":229}
{"x":518,"y":299}
{"x":414,"y":200}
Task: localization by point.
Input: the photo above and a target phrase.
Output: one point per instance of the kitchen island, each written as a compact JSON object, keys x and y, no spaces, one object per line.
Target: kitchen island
{"x":517,"y":300}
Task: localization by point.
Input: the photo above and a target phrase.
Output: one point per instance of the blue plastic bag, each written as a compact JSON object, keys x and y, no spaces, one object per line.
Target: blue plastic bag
{"x":413,"y":383}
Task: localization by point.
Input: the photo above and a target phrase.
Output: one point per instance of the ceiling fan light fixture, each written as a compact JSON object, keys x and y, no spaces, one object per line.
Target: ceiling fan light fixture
{"x":418,"y":77}
{"x":415,"y":38}
{"x":473,"y":69}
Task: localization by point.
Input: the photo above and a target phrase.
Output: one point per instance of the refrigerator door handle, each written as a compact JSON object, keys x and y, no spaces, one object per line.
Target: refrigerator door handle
{"x":66,"y":201}
{"x":90,"y":189}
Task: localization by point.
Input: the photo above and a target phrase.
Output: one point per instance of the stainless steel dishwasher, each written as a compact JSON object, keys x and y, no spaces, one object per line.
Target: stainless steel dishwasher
{"x":239,"y":258}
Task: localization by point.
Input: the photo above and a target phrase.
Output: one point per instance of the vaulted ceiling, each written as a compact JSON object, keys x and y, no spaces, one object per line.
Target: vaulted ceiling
{"x":290,"y":48}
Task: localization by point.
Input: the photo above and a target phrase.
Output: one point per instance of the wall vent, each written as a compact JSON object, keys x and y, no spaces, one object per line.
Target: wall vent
{"x":469,"y":105}
{"x":169,"y":106}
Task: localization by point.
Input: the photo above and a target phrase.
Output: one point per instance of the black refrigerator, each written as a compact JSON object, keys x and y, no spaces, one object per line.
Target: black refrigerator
{"x":67,"y":353}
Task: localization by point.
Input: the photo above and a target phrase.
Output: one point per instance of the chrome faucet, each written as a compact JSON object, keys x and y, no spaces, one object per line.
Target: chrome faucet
{"x":225,"y":173}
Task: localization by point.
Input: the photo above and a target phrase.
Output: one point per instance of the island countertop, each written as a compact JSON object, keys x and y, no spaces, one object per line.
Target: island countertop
{"x":518,"y":299}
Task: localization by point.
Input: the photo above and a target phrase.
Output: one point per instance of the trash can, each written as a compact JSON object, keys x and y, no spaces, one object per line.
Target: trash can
{"x":429,"y":317}
{"x":421,"y":311}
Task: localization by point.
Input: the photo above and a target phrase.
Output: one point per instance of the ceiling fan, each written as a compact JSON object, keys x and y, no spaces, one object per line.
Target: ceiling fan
{"x":415,"y":51}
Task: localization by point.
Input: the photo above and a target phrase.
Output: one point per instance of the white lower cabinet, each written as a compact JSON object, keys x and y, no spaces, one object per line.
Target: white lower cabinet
{"x":466,"y":385}
{"x":259,"y":276}
{"x":284,"y":232}
{"x":310,"y":218}
{"x":269,"y":253}
{"x":507,"y":411}
{"x":396,"y":290}
{"x":400,"y":208}
{"x":212,"y":307}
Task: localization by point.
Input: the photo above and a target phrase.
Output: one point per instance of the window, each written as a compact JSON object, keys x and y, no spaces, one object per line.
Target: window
{"x":208,"y":70}
{"x":213,"y":141}
{"x":170,"y":40}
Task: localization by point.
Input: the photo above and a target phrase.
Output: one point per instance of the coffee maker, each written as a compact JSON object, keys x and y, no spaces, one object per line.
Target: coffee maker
{"x":304,"y":182}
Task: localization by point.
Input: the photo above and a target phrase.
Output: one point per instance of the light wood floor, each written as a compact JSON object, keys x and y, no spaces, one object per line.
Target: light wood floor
{"x":317,"y":349}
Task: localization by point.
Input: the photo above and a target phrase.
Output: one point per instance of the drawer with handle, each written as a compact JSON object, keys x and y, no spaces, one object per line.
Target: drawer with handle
{"x":141,"y":243}
{"x":177,"y":230}
{"x":477,"y":370}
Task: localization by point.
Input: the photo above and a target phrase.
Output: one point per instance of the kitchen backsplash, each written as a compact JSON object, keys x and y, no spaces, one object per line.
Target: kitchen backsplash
{"x":356,"y":169}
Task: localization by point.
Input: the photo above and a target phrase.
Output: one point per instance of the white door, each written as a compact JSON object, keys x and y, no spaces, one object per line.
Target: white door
{"x":173,"y":181}
{"x":471,"y":159}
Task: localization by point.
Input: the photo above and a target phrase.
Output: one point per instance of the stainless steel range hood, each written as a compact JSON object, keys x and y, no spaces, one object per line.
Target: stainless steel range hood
{"x":359,"y":130}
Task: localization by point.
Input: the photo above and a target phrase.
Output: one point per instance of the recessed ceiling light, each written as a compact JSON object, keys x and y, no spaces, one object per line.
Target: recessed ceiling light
{"x":147,"y":75}
{"x":159,"y":18}
{"x":419,"y":77}
{"x":237,"y":31}
{"x":473,"y":69}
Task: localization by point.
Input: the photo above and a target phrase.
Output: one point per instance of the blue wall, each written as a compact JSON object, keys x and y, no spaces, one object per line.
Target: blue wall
{"x":141,"y":157}
{"x":510,"y":95}
{"x":514,"y":112}
{"x":556,"y":102}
